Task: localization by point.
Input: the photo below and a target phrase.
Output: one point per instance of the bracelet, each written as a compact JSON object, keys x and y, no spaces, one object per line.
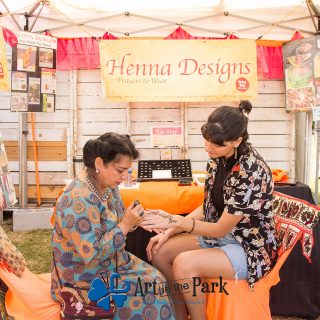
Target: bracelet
{"x":193,"y":225}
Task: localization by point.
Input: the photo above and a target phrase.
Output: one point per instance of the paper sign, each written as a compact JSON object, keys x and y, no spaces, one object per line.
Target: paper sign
{"x":161,"y":174}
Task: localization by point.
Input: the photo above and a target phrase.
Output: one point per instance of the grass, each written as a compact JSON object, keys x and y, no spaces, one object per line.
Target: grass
{"x":34,"y":245}
{"x":36,"y":248}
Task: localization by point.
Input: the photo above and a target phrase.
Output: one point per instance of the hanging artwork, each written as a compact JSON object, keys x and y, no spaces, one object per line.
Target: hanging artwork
{"x":7,"y":191}
{"x":33,"y":75}
{"x":301,"y":61}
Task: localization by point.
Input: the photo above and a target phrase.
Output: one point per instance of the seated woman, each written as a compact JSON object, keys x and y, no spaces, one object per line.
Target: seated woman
{"x":233,"y":234}
{"x":91,"y":225}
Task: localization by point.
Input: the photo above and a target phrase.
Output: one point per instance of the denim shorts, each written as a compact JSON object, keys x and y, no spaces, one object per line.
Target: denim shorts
{"x":232,"y":249}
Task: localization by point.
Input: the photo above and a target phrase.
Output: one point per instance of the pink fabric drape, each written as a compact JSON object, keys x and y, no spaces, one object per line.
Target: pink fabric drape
{"x":83,"y":53}
{"x":79,"y":53}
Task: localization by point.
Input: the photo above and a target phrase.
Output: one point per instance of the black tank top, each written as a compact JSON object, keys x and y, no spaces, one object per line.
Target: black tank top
{"x":224,"y":168}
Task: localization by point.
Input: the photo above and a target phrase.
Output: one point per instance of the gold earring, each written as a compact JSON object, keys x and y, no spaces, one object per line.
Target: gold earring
{"x":235,"y":152}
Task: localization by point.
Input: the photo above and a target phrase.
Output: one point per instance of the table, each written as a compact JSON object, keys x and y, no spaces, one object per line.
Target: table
{"x":298,"y":293}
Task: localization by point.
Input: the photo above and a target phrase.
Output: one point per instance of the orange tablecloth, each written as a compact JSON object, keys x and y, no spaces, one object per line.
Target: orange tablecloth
{"x":165,"y":195}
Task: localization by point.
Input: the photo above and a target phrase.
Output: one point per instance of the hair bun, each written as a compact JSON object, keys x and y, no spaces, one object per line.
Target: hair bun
{"x":245,"y":106}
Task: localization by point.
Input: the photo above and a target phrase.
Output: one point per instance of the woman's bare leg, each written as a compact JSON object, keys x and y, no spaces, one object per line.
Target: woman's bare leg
{"x":163,"y":261}
{"x":197,"y":266}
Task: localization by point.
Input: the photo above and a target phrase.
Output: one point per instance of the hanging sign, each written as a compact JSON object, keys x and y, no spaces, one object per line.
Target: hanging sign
{"x":33,"y":78}
{"x":162,"y":137}
{"x":178,"y":70}
{"x":4,"y":74}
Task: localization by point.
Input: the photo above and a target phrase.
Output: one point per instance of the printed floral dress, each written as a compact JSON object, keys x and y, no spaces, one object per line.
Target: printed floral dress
{"x":248,"y":191}
{"x":85,"y":241}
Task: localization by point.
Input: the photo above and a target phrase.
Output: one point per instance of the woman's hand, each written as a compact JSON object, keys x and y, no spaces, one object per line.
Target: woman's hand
{"x":131,"y":218}
{"x":155,"y":243}
{"x":159,"y":219}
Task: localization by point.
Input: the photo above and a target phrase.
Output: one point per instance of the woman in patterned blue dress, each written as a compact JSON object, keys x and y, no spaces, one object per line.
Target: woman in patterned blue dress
{"x":91,"y":224}
{"x":233,"y":234}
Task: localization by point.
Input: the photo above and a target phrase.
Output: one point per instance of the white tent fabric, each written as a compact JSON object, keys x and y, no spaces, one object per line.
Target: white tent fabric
{"x":272,"y":19}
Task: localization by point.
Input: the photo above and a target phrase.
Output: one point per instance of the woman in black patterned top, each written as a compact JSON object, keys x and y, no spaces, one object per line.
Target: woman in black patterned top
{"x":233,"y":234}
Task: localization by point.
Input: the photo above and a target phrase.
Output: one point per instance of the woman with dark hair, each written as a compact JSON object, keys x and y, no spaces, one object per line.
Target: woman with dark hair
{"x":232,"y":235}
{"x":91,"y":225}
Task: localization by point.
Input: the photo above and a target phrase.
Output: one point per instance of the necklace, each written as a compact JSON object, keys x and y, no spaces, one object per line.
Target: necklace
{"x":102,"y":197}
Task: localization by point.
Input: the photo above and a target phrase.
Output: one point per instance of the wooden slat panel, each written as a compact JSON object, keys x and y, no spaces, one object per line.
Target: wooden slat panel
{"x":96,"y":102}
{"x":262,"y":141}
{"x":142,"y":128}
{"x":47,"y":151}
{"x":47,"y":192}
{"x":46,"y":178}
{"x":89,"y":76}
{"x":63,"y":88}
{"x":90,"y":88}
{"x":93,"y":129}
{"x":153,"y":153}
{"x":155,"y":115}
{"x":267,"y":100}
{"x":155,"y":105}
{"x":265,"y":114}
{"x":62,"y":103}
{"x":59,"y":116}
{"x":254,"y":127}
{"x":41,"y":134}
{"x":274,"y":86}
{"x":42,"y":165}
{"x":106,"y":116}
{"x":63,"y":76}
{"x":4,"y":102}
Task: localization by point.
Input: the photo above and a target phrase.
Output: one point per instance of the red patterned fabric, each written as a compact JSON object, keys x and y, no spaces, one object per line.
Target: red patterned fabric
{"x":295,"y":218}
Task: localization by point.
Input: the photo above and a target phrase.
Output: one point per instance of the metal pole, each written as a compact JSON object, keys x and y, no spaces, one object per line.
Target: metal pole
{"x":316,"y":189}
{"x":23,"y":171}
{"x":23,"y":165}
{"x":306,"y":149}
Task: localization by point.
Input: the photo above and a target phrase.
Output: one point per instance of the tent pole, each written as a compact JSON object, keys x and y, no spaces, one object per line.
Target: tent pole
{"x":23,"y":140}
{"x":316,"y":189}
{"x":23,"y":172}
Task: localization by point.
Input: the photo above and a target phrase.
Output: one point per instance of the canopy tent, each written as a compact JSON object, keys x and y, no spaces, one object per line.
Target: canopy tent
{"x":271,"y":19}
{"x":276,"y":20}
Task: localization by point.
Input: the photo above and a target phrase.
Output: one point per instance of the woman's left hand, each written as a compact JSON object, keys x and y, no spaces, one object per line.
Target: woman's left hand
{"x":159,"y":219}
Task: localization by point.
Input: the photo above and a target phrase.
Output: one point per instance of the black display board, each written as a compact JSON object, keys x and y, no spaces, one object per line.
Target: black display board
{"x":33,"y":76}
